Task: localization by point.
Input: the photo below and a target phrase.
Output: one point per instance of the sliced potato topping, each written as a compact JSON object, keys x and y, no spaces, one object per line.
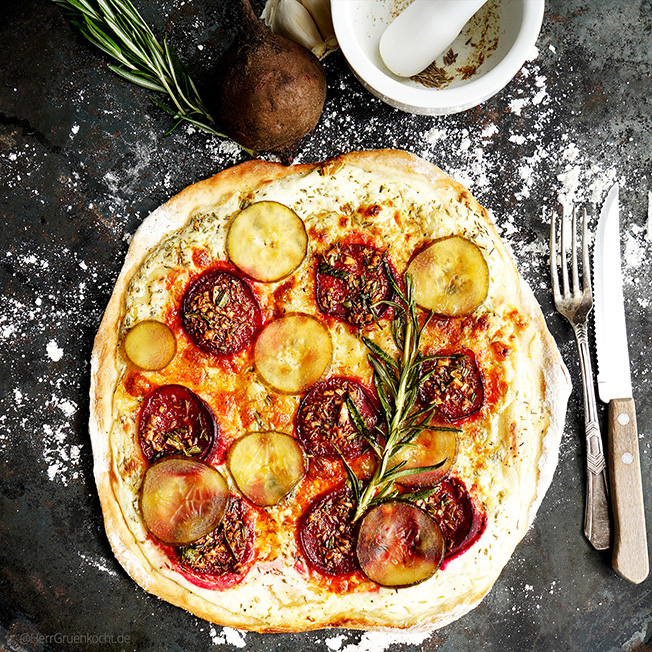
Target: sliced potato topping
{"x":266,"y":466}
{"x":399,"y":545}
{"x":292,"y":352}
{"x":451,"y":277}
{"x":267,"y":241}
{"x":429,"y":448}
{"x":182,"y":499}
{"x":150,"y":345}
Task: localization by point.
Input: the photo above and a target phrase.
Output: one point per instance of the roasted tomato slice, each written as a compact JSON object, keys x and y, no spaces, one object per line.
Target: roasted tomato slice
{"x":225,"y":548}
{"x":453,"y":383}
{"x":327,"y":533}
{"x":324,"y":424}
{"x":399,"y":545}
{"x":182,"y":499}
{"x":350,"y":279}
{"x":461,"y":522}
{"x":174,"y":420}
{"x":220,"y":313}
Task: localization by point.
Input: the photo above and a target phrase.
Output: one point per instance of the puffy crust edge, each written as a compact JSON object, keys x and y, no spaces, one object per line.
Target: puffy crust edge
{"x":172,"y":216}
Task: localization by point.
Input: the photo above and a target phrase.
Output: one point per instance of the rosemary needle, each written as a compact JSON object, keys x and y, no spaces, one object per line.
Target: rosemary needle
{"x":116,"y":27}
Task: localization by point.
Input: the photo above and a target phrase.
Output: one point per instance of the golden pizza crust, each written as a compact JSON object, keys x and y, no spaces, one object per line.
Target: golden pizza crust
{"x":268,"y":600}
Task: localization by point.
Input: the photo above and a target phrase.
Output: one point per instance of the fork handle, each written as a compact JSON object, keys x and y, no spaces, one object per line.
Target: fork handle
{"x":597,"y":527}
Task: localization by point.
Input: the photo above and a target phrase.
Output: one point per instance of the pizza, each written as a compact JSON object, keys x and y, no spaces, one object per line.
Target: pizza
{"x":322,"y":396}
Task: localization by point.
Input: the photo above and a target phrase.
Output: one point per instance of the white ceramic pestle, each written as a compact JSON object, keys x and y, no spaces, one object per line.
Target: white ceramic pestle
{"x":422,"y":32}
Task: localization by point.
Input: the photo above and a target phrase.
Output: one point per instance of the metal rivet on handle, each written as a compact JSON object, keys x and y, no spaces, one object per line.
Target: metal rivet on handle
{"x":627,"y":458}
{"x":623,"y":419}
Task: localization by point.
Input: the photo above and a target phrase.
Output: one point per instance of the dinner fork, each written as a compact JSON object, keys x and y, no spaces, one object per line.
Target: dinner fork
{"x":575,"y":304}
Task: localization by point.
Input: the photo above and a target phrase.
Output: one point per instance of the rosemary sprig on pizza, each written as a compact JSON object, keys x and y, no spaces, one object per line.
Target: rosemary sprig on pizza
{"x":322,"y":397}
{"x":397,"y":382}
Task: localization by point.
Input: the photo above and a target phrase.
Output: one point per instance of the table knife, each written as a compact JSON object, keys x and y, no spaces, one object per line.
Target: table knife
{"x":630,"y":553}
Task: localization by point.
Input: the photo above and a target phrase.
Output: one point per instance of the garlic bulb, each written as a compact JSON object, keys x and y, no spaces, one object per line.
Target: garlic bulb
{"x":302,"y":22}
{"x":320,"y":10}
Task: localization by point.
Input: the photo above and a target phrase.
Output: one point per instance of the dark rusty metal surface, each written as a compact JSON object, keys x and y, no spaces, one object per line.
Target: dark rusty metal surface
{"x":84,"y":159}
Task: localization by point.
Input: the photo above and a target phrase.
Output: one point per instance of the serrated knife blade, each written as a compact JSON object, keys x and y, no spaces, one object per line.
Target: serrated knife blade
{"x":630,"y":554}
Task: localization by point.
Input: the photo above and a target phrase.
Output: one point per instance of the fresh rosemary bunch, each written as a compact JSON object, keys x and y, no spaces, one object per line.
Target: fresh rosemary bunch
{"x":397,"y":384}
{"x":116,"y":27}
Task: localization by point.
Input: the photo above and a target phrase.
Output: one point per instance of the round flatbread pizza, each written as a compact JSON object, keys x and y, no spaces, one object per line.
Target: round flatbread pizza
{"x":322,"y":396}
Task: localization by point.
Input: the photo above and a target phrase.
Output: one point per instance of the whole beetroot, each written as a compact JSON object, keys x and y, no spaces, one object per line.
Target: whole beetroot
{"x":268,"y":92}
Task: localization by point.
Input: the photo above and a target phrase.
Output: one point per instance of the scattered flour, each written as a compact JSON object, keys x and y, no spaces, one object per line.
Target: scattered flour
{"x":435,"y":135}
{"x":634,"y":254}
{"x":55,"y":353}
{"x":61,"y":458}
{"x":517,"y":105}
{"x":489,"y":131}
{"x":99,"y":564}
{"x":376,"y":641}
{"x":228,"y":636}
{"x":42,"y":405}
{"x":369,"y":641}
{"x":335,"y":642}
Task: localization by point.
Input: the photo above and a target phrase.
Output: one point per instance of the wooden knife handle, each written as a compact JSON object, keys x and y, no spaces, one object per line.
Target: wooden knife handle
{"x":630,"y":554}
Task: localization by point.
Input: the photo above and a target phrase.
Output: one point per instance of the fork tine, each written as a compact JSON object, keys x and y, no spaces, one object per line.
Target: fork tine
{"x":553,"y":256}
{"x":576,"y":278}
{"x":564,"y":249}
{"x":586,"y":265}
